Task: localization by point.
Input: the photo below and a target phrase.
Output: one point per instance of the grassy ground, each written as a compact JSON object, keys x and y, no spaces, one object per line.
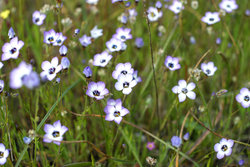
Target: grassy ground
{"x":125,"y":144}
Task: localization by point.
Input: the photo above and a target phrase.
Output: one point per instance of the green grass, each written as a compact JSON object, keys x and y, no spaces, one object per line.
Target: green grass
{"x":125,"y":144}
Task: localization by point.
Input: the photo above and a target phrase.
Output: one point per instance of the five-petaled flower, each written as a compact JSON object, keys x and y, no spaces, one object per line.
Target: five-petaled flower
{"x":11,"y":50}
{"x":54,"y":133}
{"x":50,"y":69}
{"x":184,"y":90}
{"x":172,"y":63}
{"x":102,"y":59}
{"x":38,"y":18}
{"x":209,"y":68}
{"x":211,"y":18}
{"x":244,"y":97}
{"x":125,"y":83}
{"x":4,"y":153}
{"x":224,"y":148}
{"x":97,"y":90}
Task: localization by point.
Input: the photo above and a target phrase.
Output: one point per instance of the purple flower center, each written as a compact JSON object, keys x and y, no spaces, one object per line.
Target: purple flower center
{"x":184,"y":90}
{"x":124,"y":72}
{"x":246,"y":98}
{"x":51,"y":39}
{"x":103,"y":61}
{"x":1,"y":154}
{"x":211,"y":19}
{"x":171,"y":65}
{"x":114,"y":46}
{"x":96,"y":93}
{"x":52,"y":70}
{"x":123,"y":37}
{"x":125,"y":84}
{"x":208,"y":71}
{"x":117,"y":113}
{"x":56,"y":134}
{"x":37,"y":20}
{"x":13,"y":50}
{"x":59,"y":41}
{"x":224,"y":148}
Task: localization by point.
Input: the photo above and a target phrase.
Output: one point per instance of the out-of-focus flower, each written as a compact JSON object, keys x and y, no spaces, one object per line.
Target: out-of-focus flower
{"x":76,"y":32}
{"x":60,"y":39}
{"x":115,"y":112}
{"x":85,"y":40}
{"x":192,"y":40}
{"x":97,"y":90}
{"x":38,"y":18}
{"x":1,"y":65}
{"x":241,"y":162}
{"x":186,"y":136}
{"x":176,"y":141}
{"x":96,"y":33}
{"x":102,"y":59}
{"x":224,"y":148}
{"x":211,"y":18}
{"x":244,"y":97}
{"x":194,"y":4}
{"x":1,"y":86}
{"x":209,"y":68}
{"x":123,"y":34}
{"x":150,"y":146}
{"x":176,"y":7}
{"x":218,"y":41}
{"x":228,"y":5}
{"x":87,"y":72}
{"x":54,"y":133}
{"x":4,"y":153}
{"x":247,"y":12}
{"x":151,"y":161}
{"x":65,"y":63}
{"x":11,"y":33}
{"x":158,"y":5}
{"x":136,"y":77}
{"x":27,"y":140}
{"x":139,"y":42}
{"x":153,"y":14}
{"x":66,"y":22}
{"x":172,"y":63}
{"x":114,"y":45}
{"x":63,"y":50}
{"x":5,"y":14}
{"x":184,"y":90}
{"x":92,"y":2}
{"x":11,"y":50}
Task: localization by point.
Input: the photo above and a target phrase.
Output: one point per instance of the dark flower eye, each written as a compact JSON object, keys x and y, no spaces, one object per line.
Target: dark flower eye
{"x":56,"y":134}
{"x":117,"y":113}
{"x":96,"y":93}
{"x":52,"y":70}
{"x":13,"y":50}
{"x":125,"y":84}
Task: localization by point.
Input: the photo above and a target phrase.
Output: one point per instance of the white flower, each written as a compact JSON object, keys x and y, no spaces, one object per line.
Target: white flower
{"x":209,"y":68}
{"x":123,"y":34}
{"x":49,"y":36}
{"x":211,"y":18}
{"x":4,"y":153}
{"x":244,"y":97}
{"x":1,"y":65}
{"x":114,"y":45}
{"x":184,"y":90}
{"x":85,"y":40}
{"x":176,"y":7}
{"x":154,"y":14}
{"x":224,"y":148}
{"x":123,"y":69}
{"x":125,"y":83}
{"x":11,"y":50}
{"x":38,"y":18}
{"x":50,"y":69}
{"x":1,"y":86}
{"x":102,"y":59}
{"x":92,"y":2}
{"x":228,"y":5}
{"x":60,"y":39}
{"x":95,"y":32}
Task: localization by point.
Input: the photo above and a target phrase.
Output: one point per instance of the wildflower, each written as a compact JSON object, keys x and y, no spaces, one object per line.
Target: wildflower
{"x":125,"y":83}
{"x":85,"y":40}
{"x":150,"y":146}
{"x":139,"y":42}
{"x":18,"y":76}
{"x":158,"y":5}
{"x":124,"y":69}
{"x":209,"y":68}
{"x":241,"y":162}
{"x":176,"y":7}
{"x":50,"y":69}
{"x":5,"y":14}
{"x":192,"y":40}
{"x":66,"y":22}
{"x":153,"y":14}
{"x":96,"y":33}
{"x":172,"y":63}
{"x":49,"y":36}
{"x":123,"y":34}
{"x":132,"y":15}
{"x":92,"y":2}
{"x":247,"y":12}
{"x":1,"y":65}
{"x":11,"y":33}
{"x":218,"y":41}
{"x":244,"y":97}
{"x":102,"y":59}
{"x":32,"y":80}
{"x":38,"y":18}
{"x":194,"y":4}
{"x":87,"y":72}
{"x":97,"y":90}
{"x":65,"y":63}
{"x":228,"y":5}
{"x":114,"y":44}
{"x":128,"y":4}
{"x":135,"y":77}
{"x":151,"y":161}
{"x":211,"y":18}
{"x":224,"y":148}
{"x":4,"y":153}
{"x":60,"y":39}
{"x":63,"y":50}
{"x":1,"y":86}
{"x":186,"y":136}
{"x":54,"y":133}
{"x":176,"y":141}
{"x":58,"y":80}
{"x":11,"y":50}
{"x":27,"y":140}
{"x":184,"y":90}
{"x":123,"y":19}
{"x":115,"y":112}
